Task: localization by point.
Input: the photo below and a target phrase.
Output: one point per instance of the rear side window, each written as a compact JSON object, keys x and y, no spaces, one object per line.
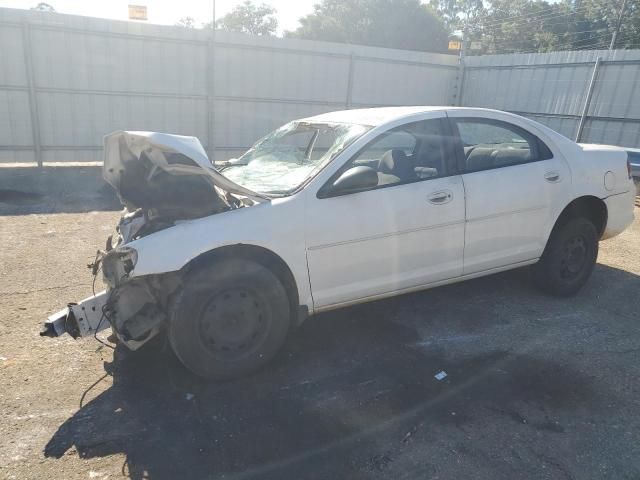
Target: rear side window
{"x":493,"y":144}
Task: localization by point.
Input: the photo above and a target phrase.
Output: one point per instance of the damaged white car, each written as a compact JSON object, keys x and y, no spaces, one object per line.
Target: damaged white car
{"x":334,"y":210}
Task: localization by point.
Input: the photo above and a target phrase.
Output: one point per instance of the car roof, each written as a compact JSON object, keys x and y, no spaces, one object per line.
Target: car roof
{"x":380,"y":115}
{"x":369,"y":116}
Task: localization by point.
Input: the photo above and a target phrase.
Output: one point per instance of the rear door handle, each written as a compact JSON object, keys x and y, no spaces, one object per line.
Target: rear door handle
{"x":441,"y":197}
{"x":552,"y":176}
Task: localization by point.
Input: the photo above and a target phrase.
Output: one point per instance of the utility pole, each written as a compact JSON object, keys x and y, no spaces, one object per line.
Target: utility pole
{"x":615,"y":32}
{"x":461,"y":60}
{"x":211,"y":90}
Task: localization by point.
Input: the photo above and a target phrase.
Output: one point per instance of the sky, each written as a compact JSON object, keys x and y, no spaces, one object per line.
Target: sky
{"x":168,"y":12}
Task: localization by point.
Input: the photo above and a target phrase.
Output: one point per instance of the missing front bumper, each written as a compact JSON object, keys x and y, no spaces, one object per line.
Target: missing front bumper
{"x":131,"y":311}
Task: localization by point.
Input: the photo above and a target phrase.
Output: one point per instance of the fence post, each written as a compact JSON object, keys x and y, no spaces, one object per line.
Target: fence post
{"x":211,"y":93}
{"x":587,"y":101}
{"x":33,"y":99}
{"x":460,"y":78}
{"x":349,"y":82}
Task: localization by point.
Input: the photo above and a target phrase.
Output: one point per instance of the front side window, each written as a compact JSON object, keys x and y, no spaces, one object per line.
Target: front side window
{"x":492,"y":144}
{"x":405,"y":154}
{"x":286,"y":158}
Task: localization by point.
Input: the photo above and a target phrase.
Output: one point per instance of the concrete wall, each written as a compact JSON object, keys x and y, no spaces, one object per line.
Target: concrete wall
{"x":552,"y":88}
{"x":66,"y":81}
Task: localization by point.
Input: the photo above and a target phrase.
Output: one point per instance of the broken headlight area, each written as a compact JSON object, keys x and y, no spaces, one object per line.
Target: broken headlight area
{"x":117,"y":264}
{"x":134,"y":313}
{"x":136,"y":310}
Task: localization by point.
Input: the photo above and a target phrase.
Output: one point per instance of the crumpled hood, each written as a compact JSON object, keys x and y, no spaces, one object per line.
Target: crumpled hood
{"x":123,"y":147}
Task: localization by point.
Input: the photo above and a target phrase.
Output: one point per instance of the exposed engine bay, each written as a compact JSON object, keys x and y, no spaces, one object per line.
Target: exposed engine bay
{"x":161,"y":180}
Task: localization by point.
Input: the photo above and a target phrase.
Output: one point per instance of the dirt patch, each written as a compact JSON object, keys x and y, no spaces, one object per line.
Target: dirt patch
{"x":536,"y":387}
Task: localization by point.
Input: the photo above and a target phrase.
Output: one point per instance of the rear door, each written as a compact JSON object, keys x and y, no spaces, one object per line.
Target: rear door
{"x":513,"y":186}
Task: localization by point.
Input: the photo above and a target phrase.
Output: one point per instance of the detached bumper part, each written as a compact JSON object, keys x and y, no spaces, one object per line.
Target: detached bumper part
{"x":78,"y":319}
{"x":131,"y":311}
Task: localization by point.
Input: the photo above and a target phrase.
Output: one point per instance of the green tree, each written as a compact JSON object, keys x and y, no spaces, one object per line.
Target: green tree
{"x":186,"y":22}
{"x":458,"y":13}
{"x":543,"y":26}
{"x":249,"y":18}
{"x":603,"y":15}
{"x":44,"y":7}
{"x":405,"y":24}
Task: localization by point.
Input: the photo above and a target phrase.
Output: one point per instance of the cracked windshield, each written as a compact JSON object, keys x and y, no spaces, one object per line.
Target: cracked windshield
{"x":284,"y":159}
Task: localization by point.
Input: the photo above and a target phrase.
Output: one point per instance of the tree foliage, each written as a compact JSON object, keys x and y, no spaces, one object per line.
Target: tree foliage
{"x":186,"y":22}
{"x":250,"y":18}
{"x":44,"y":7}
{"x":504,"y":26}
{"x":405,"y":24}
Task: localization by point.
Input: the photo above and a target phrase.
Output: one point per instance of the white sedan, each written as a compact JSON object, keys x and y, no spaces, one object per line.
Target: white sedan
{"x":334,"y":210}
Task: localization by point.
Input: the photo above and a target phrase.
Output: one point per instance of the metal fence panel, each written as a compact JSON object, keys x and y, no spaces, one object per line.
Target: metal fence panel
{"x":80,"y":61}
{"x":381,"y":82}
{"x":12,"y":66}
{"x":80,"y":78}
{"x":15,"y":122}
{"x":285,"y":75}
{"x":552,"y":89}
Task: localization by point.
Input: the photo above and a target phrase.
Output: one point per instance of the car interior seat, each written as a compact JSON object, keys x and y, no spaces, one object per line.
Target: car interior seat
{"x":395,"y":166}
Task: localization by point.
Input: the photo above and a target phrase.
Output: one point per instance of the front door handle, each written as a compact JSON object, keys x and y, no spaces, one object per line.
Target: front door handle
{"x":441,"y":197}
{"x":552,"y":176}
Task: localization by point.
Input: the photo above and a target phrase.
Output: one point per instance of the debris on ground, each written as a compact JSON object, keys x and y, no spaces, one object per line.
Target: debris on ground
{"x":441,"y":375}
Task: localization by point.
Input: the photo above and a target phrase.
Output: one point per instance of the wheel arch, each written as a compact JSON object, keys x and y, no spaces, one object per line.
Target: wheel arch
{"x":588,"y":206}
{"x":265,"y":257}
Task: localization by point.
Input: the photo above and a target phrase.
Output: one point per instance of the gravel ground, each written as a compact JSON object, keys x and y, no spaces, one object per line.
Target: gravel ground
{"x":536,"y":387}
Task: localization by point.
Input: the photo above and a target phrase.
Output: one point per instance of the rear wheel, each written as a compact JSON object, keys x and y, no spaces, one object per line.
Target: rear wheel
{"x":229,"y":319}
{"x":568,"y":259}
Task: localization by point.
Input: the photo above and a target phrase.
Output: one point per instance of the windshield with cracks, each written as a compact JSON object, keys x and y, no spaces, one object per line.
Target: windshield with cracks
{"x":283,"y":160}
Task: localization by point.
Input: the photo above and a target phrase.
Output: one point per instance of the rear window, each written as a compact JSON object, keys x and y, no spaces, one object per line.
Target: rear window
{"x":492,"y":144}
{"x":634,"y":157}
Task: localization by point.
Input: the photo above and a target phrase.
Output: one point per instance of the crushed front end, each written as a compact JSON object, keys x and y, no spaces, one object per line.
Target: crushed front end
{"x":136,"y":309}
{"x":162,"y":180}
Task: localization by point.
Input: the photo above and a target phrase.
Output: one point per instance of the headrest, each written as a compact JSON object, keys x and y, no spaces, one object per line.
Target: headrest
{"x":391,"y":161}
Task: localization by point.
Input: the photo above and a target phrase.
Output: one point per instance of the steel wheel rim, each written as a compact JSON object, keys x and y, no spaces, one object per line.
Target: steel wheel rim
{"x":233,"y":323}
{"x":574,"y":257}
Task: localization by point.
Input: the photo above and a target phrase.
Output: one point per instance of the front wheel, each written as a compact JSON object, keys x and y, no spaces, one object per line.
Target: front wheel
{"x":230,"y":318}
{"x":568,"y":259}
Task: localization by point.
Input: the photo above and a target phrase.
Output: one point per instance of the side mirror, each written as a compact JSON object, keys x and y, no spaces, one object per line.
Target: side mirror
{"x":353,"y":180}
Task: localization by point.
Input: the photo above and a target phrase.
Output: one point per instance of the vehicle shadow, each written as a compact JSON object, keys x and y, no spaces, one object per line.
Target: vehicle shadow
{"x":65,"y":188}
{"x":353,"y":390}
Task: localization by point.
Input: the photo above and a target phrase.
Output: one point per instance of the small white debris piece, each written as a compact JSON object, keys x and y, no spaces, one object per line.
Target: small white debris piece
{"x":3,"y":359}
{"x":189,"y":396}
{"x":440,"y":375}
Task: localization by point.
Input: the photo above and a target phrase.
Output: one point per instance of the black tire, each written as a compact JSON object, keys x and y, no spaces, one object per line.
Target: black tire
{"x":230,"y":318}
{"x":568,"y":259}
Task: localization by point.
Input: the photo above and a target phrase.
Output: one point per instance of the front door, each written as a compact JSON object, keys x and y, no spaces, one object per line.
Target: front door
{"x":405,"y":232}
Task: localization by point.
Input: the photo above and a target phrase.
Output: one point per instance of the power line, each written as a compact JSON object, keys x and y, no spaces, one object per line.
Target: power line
{"x":546,"y":24}
{"x":525,"y":19}
{"x":537,"y":16}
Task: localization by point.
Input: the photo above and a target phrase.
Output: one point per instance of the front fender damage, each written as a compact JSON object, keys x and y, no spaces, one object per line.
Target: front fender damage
{"x":136,"y":311}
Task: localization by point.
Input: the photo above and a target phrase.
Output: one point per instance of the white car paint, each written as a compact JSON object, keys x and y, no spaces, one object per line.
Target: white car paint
{"x":348,"y":249}
{"x":381,"y":242}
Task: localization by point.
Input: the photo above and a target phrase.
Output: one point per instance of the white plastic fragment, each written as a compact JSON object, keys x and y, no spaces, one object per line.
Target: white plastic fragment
{"x":440,"y":375}
{"x":189,"y":396}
